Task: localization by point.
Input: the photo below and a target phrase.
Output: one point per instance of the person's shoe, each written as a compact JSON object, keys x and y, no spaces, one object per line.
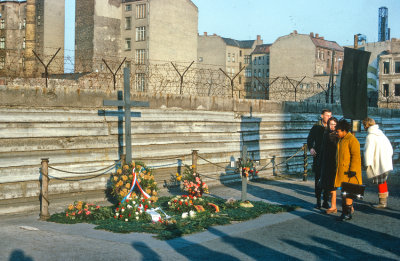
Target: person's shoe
{"x":318,"y":205}
{"x":331,"y":211}
{"x":382,"y":200}
{"x":346,"y":213}
{"x":326,"y":205}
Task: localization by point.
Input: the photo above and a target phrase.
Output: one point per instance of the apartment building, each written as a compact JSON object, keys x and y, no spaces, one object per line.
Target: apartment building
{"x":257,"y":88}
{"x":231,"y":56}
{"x":389,"y":76}
{"x":27,"y":26}
{"x":305,"y":61}
{"x":12,"y":37}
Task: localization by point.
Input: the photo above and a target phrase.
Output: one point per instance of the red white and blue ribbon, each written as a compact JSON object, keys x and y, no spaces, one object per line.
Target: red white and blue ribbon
{"x":135,"y":182}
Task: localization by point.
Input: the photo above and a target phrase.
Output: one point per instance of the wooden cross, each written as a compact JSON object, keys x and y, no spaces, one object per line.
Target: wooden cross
{"x":127,"y":103}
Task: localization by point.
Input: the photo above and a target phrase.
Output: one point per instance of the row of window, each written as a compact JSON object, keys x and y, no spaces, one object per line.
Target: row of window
{"x":386,"y":67}
{"x":140,"y":10}
{"x":22,"y":24}
{"x":140,"y":36}
{"x":3,"y":43}
{"x":260,"y":74}
{"x":386,"y":90}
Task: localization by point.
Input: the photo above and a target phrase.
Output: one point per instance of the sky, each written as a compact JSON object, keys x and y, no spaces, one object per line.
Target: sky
{"x":337,"y":20}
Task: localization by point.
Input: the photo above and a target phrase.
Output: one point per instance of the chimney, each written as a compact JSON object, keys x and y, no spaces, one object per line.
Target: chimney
{"x":295,"y":32}
{"x":205,"y":33}
{"x":316,"y":35}
{"x":258,"y":38}
{"x":322,"y":38}
{"x":312,"y":34}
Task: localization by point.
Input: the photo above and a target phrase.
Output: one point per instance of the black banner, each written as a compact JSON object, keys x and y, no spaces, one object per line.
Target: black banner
{"x":353,"y":84}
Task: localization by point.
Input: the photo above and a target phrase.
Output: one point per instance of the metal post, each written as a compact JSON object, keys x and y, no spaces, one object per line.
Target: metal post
{"x":128,"y":130}
{"x":194,"y":160}
{"x":44,"y":210}
{"x":305,"y":149}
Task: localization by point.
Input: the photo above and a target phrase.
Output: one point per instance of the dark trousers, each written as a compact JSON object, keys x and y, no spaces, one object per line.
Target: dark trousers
{"x":318,"y":189}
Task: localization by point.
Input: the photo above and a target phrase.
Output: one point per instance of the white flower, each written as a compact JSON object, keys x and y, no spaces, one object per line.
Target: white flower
{"x":117,"y":214}
{"x":137,"y":218}
{"x":126,"y":220}
{"x":141,"y":211}
{"x":129,"y":206}
{"x":194,"y":197}
{"x":133,"y":203}
{"x":192,"y":213}
{"x":136,"y":213}
{"x":122,"y":210}
{"x":185,"y":215}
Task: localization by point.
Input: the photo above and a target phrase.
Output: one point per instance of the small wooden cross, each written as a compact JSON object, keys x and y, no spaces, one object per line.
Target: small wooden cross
{"x":127,"y":104}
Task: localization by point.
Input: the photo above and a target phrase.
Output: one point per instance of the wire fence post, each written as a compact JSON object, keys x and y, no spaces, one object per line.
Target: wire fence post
{"x":305,"y":162}
{"x":44,"y":193}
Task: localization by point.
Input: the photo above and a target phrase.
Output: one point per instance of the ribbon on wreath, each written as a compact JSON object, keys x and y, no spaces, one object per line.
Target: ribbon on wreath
{"x":135,"y":182}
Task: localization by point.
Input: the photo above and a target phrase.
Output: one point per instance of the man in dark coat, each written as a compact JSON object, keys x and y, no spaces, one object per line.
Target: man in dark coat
{"x":314,"y":143}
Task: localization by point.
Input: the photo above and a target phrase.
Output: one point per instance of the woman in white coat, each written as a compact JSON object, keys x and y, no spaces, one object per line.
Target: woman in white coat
{"x":378,"y":154}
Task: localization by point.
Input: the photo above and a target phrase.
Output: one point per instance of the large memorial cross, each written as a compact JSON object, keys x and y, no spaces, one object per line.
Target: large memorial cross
{"x":126,"y":103}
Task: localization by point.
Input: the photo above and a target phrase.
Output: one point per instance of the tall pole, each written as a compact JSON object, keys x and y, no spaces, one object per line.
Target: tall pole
{"x":44,"y":195}
{"x":127,"y":99}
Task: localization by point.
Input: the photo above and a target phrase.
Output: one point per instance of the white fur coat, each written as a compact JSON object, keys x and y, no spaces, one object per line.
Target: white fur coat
{"x":378,"y":151}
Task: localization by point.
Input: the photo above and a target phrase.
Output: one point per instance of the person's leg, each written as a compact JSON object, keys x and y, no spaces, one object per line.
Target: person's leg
{"x":317,"y":187}
{"x":325,"y":197}
{"x":347,"y":205}
{"x":383,"y":195}
{"x":333,"y":208}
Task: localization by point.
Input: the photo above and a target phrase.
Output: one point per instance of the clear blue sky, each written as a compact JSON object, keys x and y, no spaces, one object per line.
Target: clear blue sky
{"x":337,"y":20}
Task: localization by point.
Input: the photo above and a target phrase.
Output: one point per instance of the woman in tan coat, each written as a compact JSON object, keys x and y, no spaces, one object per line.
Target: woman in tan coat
{"x":348,"y":160}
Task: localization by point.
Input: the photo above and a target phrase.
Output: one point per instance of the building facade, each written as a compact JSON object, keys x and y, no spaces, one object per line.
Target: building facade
{"x":258,"y":87}
{"x":27,"y":27}
{"x":389,"y":76}
{"x":301,"y":67}
{"x":232,"y":58}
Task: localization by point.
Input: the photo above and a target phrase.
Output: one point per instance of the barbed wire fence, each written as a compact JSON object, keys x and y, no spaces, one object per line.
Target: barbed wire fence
{"x":161,"y":77}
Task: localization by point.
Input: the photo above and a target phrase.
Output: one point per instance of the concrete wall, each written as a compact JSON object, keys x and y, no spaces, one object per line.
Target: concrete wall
{"x":68,"y":128}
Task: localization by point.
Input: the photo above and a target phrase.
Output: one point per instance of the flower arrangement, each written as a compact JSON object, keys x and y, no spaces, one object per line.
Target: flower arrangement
{"x":134,"y":209}
{"x":184,"y":203}
{"x":83,"y":211}
{"x":122,"y":181}
{"x":247,"y":167}
{"x":192,"y":182}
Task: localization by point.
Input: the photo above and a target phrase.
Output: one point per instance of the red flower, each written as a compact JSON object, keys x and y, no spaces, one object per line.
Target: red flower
{"x":180,"y":202}
{"x":186,"y":203}
{"x":115,"y":216}
{"x":129,"y":215}
{"x":143,"y":200}
{"x":145,"y":206}
{"x":117,"y":209}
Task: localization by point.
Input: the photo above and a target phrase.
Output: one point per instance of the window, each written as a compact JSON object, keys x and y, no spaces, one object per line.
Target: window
{"x":240,"y":53}
{"x":23,"y":43}
{"x":240,"y":79}
{"x":229,"y":57}
{"x":386,"y":67}
{"x":127,"y":23}
{"x":247,"y":59}
{"x":240,"y":65}
{"x":140,"y":56}
{"x":386,"y":90}
{"x":24,"y":23}
{"x":2,"y":62}
{"x":248,"y":73}
{"x":259,"y":72}
{"x":128,"y":7}
{"x":128,"y":44}
{"x":140,"y":11}
{"x":128,"y":64}
{"x":233,"y":57}
{"x":255,"y":61}
{"x":140,"y":82}
{"x":2,"y":24}
{"x":397,"y":90}
{"x":397,"y":67}
{"x":200,"y":59}
{"x":140,"y":33}
{"x":259,"y":60}
{"x":2,"y":43}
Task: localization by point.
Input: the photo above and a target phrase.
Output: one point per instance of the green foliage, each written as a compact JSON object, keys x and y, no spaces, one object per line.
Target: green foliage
{"x":176,"y":226}
{"x":372,"y":70}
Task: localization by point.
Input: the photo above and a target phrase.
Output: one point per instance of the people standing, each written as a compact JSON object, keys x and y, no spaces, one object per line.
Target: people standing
{"x":314,"y":142}
{"x":348,"y":164}
{"x":328,"y":162}
{"x":378,"y":154}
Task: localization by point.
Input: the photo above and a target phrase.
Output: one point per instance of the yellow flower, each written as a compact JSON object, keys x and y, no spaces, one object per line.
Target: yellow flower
{"x":134,"y":195}
{"x":124,"y":178}
{"x":138,"y":166}
{"x":193,"y":166}
{"x":179,"y":178}
{"x":177,"y":174}
{"x":154,"y":193}
{"x":148,"y":191}
{"x":127,"y":185}
{"x":133,"y":164}
{"x":119,"y":171}
{"x":71,"y":207}
{"x":126,"y":167}
{"x":115,"y":178}
{"x":131,"y":176}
